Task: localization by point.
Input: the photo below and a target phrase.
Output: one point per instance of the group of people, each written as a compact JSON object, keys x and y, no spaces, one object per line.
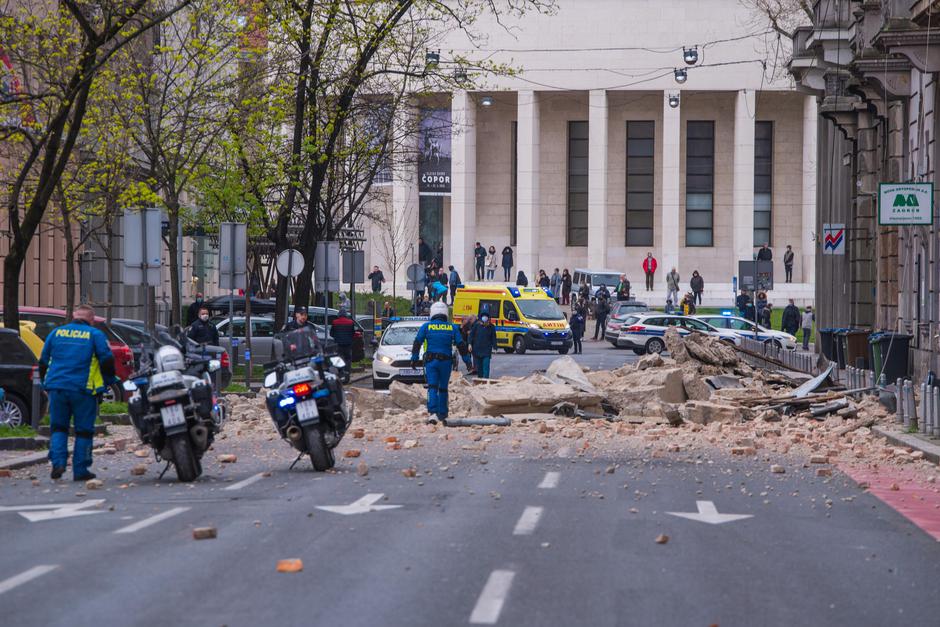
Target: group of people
{"x":792,"y":320}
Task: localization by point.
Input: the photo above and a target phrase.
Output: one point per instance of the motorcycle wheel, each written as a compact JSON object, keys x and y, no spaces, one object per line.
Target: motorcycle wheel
{"x":187,"y":467}
{"x":320,"y":454}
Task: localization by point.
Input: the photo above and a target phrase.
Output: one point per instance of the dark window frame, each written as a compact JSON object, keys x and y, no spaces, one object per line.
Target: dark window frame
{"x":577,"y":178}
{"x":640,"y":166}
{"x":514,"y":185}
{"x":700,"y":180}
{"x":764,"y":179}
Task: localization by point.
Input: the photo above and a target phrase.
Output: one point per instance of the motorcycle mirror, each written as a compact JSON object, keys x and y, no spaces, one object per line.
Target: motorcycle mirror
{"x":214,"y":364}
{"x":270,"y":380}
{"x":129,"y":386}
{"x":337,"y":362}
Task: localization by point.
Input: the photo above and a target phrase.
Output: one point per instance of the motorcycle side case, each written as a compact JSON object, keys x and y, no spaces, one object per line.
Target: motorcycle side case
{"x":137,"y":409}
{"x":201,"y":393}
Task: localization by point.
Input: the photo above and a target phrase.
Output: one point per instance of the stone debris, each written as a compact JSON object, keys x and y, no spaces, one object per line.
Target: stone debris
{"x":362,"y":469}
{"x":205,"y":533}
{"x":94,"y":484}
{"x":5,"y":472}
{"x":138,"y":470}
{"x":777,"y":469}
{"x":290,"y":566}
{"x":352,"y":452}
{"x":662,"y":539}
{"x":228,"y":458}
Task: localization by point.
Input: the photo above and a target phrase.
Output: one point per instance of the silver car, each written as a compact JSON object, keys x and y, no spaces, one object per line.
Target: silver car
{"x":264,"y":346}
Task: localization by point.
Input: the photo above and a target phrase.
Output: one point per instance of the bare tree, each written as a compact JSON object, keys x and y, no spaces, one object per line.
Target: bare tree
{"x":396,"y":238}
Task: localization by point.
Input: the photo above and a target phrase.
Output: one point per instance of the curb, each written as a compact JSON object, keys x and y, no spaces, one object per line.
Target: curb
{"x":930,"y":450}
{"x":115,"y":419}
{"x":19,"y":444}
{"x":25,"y":461}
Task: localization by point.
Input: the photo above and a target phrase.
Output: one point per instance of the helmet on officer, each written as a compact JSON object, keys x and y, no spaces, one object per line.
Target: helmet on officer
{"x":439,"y":309}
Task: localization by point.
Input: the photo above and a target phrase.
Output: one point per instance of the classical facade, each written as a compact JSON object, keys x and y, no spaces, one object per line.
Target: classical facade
{"x":593,"y":153}
{"x":873,"y":69}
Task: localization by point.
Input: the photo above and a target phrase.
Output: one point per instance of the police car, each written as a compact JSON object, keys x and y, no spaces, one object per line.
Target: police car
{"x":743,"y":327}
{"x":644,"y":333}
{"x":392,"y":359}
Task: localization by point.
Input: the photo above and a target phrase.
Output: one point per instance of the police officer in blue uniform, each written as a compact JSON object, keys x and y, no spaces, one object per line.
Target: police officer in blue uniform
{"x":440,"y":336}
{"x":76,"y":365}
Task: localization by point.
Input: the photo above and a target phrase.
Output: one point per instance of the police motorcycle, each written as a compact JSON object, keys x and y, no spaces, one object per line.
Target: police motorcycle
{"x":306,"y":399}
{"x":174,"y":408}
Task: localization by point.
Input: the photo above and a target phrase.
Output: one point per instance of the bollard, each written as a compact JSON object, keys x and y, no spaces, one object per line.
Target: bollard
{"x":911,"y":406}
{"x":35,"y":410}
{"x":925,"y":405}
{"x":882,"y":380}
{"x":899,"y":400}
{"x":935,"y":404}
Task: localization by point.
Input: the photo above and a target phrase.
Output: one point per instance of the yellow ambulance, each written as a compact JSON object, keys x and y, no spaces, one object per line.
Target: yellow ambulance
{"x":526,"y":318}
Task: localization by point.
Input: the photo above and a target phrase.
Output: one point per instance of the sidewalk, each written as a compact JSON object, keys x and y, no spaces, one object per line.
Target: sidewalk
{"x":896,"y":434}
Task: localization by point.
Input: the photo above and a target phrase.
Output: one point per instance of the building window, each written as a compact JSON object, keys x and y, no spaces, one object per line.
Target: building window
{"x":699,"y":183}
{"x":763,"y":181}
{"x":640,"y":147}
{"x":514,"y":202}
{"x":577,"y":183}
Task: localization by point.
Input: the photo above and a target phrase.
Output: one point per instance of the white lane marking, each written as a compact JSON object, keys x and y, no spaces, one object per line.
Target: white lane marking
{"x":146,"y":522}
{"x":54,"y":511}
{"x":244,"y":483}
{"x":28,"y":575}
{"x":363,"y":505}
{"x":528,"y":521}
{"x":708,"y":513}
{"x":550,"y":481}
{"x":490,"y":603}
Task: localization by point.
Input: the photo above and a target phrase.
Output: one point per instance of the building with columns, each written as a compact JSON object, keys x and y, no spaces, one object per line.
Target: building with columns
{"x":592,"y":154}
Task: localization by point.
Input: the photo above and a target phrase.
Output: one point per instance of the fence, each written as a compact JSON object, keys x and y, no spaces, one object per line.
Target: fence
{"x":777,"y":356}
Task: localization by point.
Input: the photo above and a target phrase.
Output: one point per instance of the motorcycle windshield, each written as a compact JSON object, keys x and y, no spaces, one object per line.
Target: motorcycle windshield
{"x":301,"y":344}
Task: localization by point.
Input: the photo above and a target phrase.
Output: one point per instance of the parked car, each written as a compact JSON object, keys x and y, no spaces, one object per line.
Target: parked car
{"x":594,"y":279}
{"x":644,"y":332}
{"x":29,"y":337}
{"x":315,"y":315}
{"x":392,"y":358}
{"x":264,"y":344}
{"x":47,"y":319}
{"x":132,"y":332}
{"x":619,"y":311}
{"x":745,"y":328}
{"x":17,"y":363}
{"x":218,"y":306}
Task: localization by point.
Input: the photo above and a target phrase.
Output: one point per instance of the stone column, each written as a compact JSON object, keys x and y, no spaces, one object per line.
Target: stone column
{"x":742,"y":198}
{"x":527,"y":169}
{"x":405,"y":208}
{"x":807,"y":249}
{"x":463,"y":177}
{"x":669,"y":190}
{"x":597,"y":179}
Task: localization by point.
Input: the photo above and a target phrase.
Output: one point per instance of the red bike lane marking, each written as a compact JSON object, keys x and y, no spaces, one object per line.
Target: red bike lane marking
{"x":915,"y":499}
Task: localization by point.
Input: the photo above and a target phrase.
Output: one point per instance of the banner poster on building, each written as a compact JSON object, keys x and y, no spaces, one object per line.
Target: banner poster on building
{"x":905,"y":203}
{"x":434,"y":168}
{"x":833,"y":239}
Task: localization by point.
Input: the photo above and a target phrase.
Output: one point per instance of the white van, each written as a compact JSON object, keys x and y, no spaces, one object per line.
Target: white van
{"x":594,"y":279}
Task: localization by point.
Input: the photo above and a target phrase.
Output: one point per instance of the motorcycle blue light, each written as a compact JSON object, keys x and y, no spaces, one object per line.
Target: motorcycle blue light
{"x":284,"y":402}
{"x":321,"y":393}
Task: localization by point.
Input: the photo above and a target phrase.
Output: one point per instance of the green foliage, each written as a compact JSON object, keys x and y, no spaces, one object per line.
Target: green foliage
{"x":19,"y":431}
{"x":112,"y":408}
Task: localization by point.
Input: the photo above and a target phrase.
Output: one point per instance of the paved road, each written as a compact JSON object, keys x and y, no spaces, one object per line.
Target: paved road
{"x":519,"y":540}
{"x":495,"y":529}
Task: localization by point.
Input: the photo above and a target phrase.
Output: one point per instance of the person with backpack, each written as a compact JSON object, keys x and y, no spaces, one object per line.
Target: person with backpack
{"x":454,"y":282}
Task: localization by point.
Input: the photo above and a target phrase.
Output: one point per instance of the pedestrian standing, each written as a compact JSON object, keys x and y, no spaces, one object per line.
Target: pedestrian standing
{"x":454,"y":279}
{"x":387,"y":310}
{"x":544,"y":281}
{"x":377,"y":279}
{"x":623,"y":288}
{"x":202,"y":331}
{"x":649,"y":269}
{"x":790,"y":320}
{"x":697,"y":283}
{"x":806,"y":322}
{"x":491,"y":263}
{"x":482,"y":344}
{"x":759,"y":306}
{"x":788,"y":263}
{"x":556,"y":285}
{"x":76,"y":365}
{"x":507,"y":263}
{"x":479,"y":260}
{"x":192,"y":314}
{"x":741,"y":303}
{"x":577,"y":329}
{"x":418,"y":305}
{"x":669,"y":308}
{"x":765,"y":254}
{"x":343,"y":330}
{"x":425,"y":255}
{"x":601,"y":309}
{"x":765,"y":316}
{"x":672,"y":286}
{"x":584,"y":292}
{"x":522,"y":280}
{"x":602,"y":292}
{"x":565,"y":287}
{"x":687,"y":306}
{"x":439,"y":256}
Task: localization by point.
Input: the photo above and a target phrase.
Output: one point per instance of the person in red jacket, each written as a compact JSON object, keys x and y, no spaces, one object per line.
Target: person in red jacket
{"x":649,"y":269}
{"x":343,"y":330}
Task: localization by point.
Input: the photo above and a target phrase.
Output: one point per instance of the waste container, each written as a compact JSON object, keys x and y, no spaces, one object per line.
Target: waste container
{"x":838,"y":346}
{"x":890,"y":355}
{"x":826,"y":343}
{"x":856,"y":348}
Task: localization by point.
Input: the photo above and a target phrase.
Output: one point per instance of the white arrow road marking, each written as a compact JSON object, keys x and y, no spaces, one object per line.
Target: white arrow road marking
{"x":360,"y":506}
{"x":490,"y":603}
{"x":146,"y":522}
{"x":550,"y":481}
{"x":244,"y":483}
{"x":54,"y":511}
{"x":708,"y":513}
{"x":528,"y":521}
{"x":27,"y":575}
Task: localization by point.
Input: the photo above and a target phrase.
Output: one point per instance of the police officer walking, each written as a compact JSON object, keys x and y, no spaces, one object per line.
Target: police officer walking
{"x":202,"y":331}
{"x":299,"y":321}
{"x":441,"y":336}
{"x":76,"y":365}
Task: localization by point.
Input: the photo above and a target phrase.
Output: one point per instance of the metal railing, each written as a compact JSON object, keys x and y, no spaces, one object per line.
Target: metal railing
{"x":792,"y":360}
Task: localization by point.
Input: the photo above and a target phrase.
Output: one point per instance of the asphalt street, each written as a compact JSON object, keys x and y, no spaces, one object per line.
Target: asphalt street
{"x":494,"y":529}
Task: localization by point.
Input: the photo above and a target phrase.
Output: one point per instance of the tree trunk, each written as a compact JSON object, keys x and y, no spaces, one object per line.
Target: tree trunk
{"x":69,"y":262}
{"x":172,"y":246}
{"x":109,"y":260}
{"x":11,"y":286}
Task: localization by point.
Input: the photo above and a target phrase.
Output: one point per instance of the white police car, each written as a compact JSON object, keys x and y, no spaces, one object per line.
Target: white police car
{"x":392,"y":359}
{"x":644,"y":333}
{"x":743,"y":327}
